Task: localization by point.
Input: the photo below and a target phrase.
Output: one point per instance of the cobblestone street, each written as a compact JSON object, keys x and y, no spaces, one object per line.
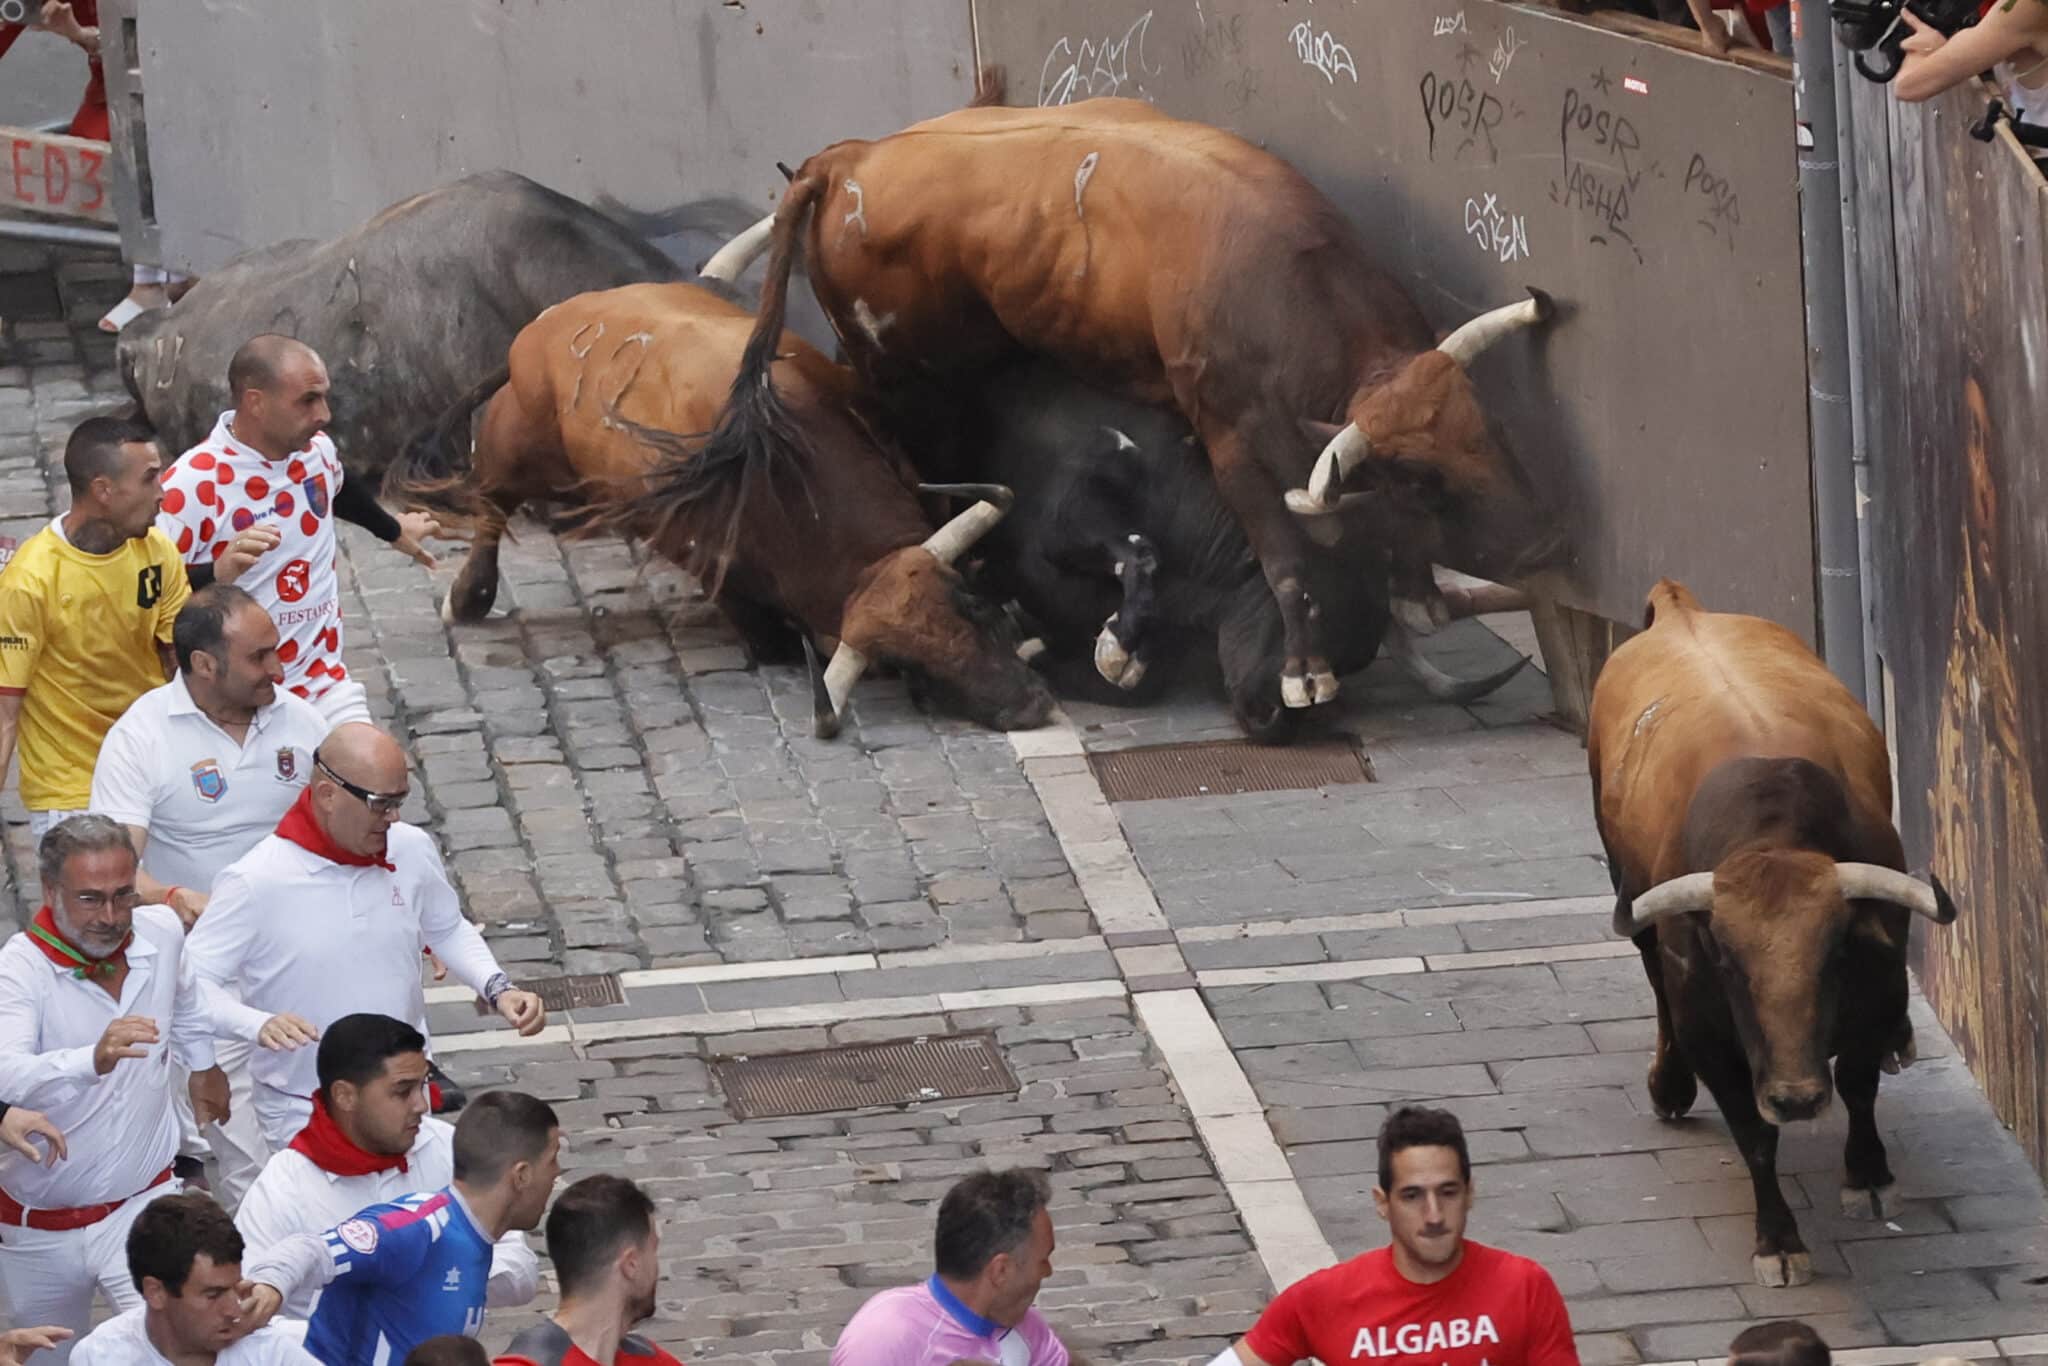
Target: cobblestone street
{"x":1209,"y":1002}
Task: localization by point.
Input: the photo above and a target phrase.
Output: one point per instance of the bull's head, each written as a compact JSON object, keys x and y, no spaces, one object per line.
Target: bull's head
{"x":912,"y":609}
{"x":1422,"y":446}
{"x":1779,"y":925}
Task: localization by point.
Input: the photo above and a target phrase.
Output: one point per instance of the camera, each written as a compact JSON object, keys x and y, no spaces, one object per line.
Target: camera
{"x":1879,"y":27}
{"x":28,"y":12}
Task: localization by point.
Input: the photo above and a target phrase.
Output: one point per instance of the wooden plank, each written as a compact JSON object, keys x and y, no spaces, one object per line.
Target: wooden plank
{"x":1964,"y":519}
{"x":56,"y":176}
{"x":1575,"y":646}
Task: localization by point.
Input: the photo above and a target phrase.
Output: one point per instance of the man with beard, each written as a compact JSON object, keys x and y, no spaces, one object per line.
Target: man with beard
{"x":370,"y":1140}
{"x":96,"y":999}
{"x":607,"y":1256}
{"x":363,"y":891}
{"x":186,"y":1260}
{"x":86,"y":606}
{"x":1430,"y":1298}
{"x":198,"y":771}
{"x":254,"y":504}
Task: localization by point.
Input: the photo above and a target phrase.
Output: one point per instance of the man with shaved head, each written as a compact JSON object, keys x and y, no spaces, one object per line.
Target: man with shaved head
{"x":254,"y":505}
{"x":326,"y":918}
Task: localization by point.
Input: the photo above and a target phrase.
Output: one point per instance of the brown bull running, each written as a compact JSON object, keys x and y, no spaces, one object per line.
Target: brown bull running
{"x":1744,"y":798}
{"x":1177,"y":263}
{"x":819,"y":527}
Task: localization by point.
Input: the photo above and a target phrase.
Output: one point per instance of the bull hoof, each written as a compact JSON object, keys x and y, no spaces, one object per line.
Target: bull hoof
{"x":1294,"y":691}
{"x":1900,"y":1056}
{"x":1673,"y":1089}
{"x":1116,"y":664}
{"x":448,"y":608}
{"x":1870,"y":1202}
{"x":1782,"y":1270}
{"x":1323,"y":685}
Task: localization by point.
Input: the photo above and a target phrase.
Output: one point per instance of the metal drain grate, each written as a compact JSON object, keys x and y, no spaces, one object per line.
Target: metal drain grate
{"x":1212,"y":768}
{"x":584,"y":991}
{"x":822,"y":1080}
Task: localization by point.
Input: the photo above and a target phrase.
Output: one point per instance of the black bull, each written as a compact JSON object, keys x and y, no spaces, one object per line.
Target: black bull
{"x":410,"y":310}
{"x":1121,"y":550}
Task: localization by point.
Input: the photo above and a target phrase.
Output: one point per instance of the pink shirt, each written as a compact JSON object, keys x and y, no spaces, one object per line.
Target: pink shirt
{"x":910,"y":1326}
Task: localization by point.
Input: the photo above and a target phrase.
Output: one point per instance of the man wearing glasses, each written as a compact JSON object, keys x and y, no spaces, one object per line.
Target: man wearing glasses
{"x":327,"y":917}
{"x":96,"y":998}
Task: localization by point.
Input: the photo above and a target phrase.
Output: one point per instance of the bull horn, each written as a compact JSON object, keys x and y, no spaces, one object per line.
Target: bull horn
{"x":1678,"y":896}
{"x":1465,"y":344}
{"x":1400,"y":647}
{"x":829,"y":692}
{"x":735,"y":256}
{"x":1346,"y":449}
{"x":953,"y":540}
{"x":1874,"y":882}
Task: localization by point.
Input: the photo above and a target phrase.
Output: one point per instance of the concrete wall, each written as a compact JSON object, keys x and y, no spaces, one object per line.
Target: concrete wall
{"x":276,"y":121}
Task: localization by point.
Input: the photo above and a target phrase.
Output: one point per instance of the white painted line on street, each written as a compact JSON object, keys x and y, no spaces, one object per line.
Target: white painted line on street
{"x":2032,"y":1345}
{"x":1348,"y":971}
{"x":728,"y":973}
{"x":1550,"y":953}
{"x":1978,"y":1349}
{"x":1232,"y":1124}
{"x":1086,"y":826}
{"x":1425,"y":915}
{"x":822,"y":1014}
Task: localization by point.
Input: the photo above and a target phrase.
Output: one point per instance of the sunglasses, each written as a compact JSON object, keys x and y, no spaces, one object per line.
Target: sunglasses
{"x":380,"y":803}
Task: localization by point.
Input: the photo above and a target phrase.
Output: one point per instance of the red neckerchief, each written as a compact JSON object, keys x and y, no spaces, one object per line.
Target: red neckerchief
{"x":328,"y":1148}
{"x":46,"y":936}
{"x":301,"y":829}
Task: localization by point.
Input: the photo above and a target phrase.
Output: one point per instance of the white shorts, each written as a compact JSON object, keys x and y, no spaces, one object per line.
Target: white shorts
{"x":344,"y":702}
{"x":40,"y":823}
{"x":49,"y":1277}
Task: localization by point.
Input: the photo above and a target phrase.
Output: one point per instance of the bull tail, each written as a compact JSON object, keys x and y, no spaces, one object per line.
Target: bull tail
{"x":702,"y":486}
{"x":991,"y":86}
{"x":434,"y":470}
{"x":1668,"y":596}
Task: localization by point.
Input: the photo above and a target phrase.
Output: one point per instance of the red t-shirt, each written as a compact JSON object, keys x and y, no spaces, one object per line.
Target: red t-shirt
{"x":632,"y":1352}
{"x":1496,"y":1309}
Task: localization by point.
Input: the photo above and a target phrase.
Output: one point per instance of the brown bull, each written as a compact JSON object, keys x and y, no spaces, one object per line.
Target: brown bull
{"x":819,"y":527}
{"x":1744,"y":799}
{"x":1177,"y":263}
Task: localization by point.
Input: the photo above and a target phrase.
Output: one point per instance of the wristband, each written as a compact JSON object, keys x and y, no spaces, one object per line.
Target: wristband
{"x":496,"y":987}
{"x":170,"y":892}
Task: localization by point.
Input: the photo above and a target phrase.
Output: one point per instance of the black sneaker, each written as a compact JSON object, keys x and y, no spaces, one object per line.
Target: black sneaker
{"x":448,"y":1097}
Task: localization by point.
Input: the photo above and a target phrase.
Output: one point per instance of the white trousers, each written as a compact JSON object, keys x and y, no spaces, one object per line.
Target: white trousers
{"x":237,"y":1146}
{"x":41,"y":822}
{"x":280,"y":1114}
{"x":49,"y":1277}
{"x":345,"y":701}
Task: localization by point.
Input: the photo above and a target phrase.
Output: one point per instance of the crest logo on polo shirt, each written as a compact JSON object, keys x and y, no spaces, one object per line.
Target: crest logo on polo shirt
{"x":316,"y":494}
{"x":292,"y":580}
{"x":208,"y":781}
{"x":287,"y":764}
{"x":360,"y":1234}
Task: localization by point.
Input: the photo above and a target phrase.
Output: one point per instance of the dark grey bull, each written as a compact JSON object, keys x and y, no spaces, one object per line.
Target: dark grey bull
{"x":410,"y":311}
{"x":1121,"y":550}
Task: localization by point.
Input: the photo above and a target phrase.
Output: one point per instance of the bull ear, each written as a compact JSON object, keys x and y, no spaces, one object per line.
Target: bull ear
{"x":1871,"y":928}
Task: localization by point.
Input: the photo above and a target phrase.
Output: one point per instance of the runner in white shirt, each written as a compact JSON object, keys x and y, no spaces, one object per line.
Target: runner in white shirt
{"x":95,"y":999}
{"x":364,"y":892}
{"x":185,"y":1259}
{"x":254,"y":504}
{"x":370,"y":1141}
{"x":198,"y":771}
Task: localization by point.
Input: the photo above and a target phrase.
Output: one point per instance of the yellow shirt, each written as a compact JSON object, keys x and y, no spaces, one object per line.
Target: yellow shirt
{"x":78,"y":638}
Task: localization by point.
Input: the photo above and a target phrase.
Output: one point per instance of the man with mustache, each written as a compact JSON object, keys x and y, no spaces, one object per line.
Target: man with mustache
{"x":96,"y":998}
